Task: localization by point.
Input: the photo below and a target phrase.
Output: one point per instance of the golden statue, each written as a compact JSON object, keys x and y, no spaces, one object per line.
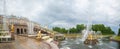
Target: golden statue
{"x":12,"y":32}
{"x":12,"y":28}
{"x":52,"y":35}
{"x":91,"y":39}
{"x":39,"y":35}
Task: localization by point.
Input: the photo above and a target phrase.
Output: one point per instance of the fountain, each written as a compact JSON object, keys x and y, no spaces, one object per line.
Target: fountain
{"x":91,"y":39}
{"x":5,"y":35}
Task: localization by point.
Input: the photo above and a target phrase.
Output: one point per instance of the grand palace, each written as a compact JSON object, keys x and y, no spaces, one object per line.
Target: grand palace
{"x":22,"y":25}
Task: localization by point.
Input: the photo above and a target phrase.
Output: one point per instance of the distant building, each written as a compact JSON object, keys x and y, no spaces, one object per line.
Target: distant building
{"x":21,"y":24}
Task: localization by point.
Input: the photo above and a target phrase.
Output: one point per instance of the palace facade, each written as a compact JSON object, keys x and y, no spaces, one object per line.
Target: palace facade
{"x":22,"y":25}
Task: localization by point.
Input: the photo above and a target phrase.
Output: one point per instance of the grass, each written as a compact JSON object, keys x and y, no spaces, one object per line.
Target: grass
{"x":74,"y":35}
{"x":117,"y":38}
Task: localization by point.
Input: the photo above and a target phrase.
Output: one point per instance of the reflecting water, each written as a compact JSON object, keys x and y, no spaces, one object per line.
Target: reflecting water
{"x":114,"y":44}
{"x":77,"y":44}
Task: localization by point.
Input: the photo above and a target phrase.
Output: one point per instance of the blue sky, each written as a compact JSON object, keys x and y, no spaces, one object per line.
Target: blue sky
{"x":66,"y":13}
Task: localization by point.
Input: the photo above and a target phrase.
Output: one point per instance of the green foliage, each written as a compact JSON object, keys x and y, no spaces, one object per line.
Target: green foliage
{"x":73,"y":30}
{"x":102,"y":28}
{"x":61,"y":30}
{"x":98,"y":27}
{"x":117,"y":38}
{"x":56,"y":29}
{"x":80,"y":27}
{"x":119,"y":32}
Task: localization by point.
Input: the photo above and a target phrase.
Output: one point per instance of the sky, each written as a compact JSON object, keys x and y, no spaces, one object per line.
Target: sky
{"x":66,"y":13}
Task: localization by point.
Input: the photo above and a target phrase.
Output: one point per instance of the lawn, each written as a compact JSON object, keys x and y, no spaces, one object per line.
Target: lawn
{"x":117,"y":38}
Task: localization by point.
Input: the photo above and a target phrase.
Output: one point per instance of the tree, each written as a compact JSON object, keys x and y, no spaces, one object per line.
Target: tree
{"x":119,"y":32}
{"x":56,"y":29}
{"x":98,"y":27}
{"x":102,"y":28}
{"x":108,"y":30}
{"x":80,"y":27}
{"x":61,"y":30}
{"x":73,"y":30}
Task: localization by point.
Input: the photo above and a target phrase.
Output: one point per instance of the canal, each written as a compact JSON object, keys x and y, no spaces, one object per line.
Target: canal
{"x":78,"y":44}
{"x":113,"y":44}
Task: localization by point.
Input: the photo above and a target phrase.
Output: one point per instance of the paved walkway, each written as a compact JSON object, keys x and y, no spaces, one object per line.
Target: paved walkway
{"x":27,"y":43}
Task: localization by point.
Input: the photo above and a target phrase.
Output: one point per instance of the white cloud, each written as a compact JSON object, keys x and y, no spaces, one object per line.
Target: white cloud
{"x":81,"y":4}
{"x":62,"y":24}
{"x":65,"y":12}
